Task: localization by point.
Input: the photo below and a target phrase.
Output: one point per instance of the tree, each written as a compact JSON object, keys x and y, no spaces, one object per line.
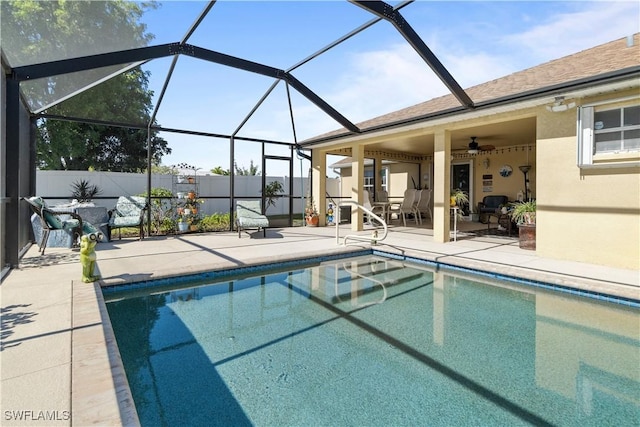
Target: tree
{"x":78,"y":28}
{"x":252,"y":171}
{"x":219,"y":171}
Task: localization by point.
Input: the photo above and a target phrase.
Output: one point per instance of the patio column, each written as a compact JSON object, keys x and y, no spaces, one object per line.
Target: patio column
{"x":441,"y":185}
{"x":357,"y":183}
{"x":319,"y":183}
{"x":377,"y":175}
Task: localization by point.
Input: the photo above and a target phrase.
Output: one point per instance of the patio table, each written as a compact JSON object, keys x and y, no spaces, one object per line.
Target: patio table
{"x":94,"y":215}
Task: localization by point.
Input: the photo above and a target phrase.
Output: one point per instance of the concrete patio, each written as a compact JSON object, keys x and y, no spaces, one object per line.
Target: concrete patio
{"x":60,"y":364}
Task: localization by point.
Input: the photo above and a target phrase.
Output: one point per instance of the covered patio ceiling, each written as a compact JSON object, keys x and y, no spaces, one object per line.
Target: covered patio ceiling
{"x":500,"y":135}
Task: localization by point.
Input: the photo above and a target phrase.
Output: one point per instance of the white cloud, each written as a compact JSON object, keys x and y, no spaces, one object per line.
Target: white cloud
{"x":381,"y":81}
{"x":566,"y":33}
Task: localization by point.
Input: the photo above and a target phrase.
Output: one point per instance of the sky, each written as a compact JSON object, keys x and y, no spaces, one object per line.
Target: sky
{"x":370,"y":74}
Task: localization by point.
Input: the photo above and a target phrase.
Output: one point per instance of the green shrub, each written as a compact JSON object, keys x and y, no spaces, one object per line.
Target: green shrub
{"x":214,"y":222}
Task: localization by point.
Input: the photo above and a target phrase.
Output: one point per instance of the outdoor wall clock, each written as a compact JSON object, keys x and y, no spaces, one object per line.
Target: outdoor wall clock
{"x":506,"y":171}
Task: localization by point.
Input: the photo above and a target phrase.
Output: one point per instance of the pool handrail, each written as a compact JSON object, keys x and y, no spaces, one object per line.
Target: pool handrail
{"x":373,"y":239}
{"x":362,"y":276}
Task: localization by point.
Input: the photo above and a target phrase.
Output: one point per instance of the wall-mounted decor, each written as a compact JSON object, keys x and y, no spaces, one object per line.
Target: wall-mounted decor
{"x":487,"y":183}
{"x":506,"y":171}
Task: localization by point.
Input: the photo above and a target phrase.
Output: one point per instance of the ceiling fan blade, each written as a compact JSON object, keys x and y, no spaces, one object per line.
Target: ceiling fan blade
{"x":487,"y":148}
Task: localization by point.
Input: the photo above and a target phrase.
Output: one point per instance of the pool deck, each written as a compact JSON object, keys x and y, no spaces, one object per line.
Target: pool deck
{"x":59,"y":360}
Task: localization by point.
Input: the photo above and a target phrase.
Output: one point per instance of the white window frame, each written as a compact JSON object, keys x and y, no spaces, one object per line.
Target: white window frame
{"x":586,"y":140}
{"x":368,"y":180}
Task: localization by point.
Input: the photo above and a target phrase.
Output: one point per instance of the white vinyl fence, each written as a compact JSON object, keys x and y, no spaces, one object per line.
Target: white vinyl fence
{"x":56,"y":188}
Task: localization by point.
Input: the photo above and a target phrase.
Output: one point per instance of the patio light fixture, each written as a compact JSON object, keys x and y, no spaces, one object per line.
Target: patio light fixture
{"x":559,"y":106}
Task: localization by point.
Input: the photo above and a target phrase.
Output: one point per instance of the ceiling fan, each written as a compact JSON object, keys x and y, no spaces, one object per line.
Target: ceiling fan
{"x":475,"y":148}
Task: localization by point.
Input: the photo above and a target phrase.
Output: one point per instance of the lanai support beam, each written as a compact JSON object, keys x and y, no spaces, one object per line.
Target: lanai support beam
{"x":11,"y":169}
{"x":441,"y":186}
{"x":388,"y":13}
{"x":357,"y":185}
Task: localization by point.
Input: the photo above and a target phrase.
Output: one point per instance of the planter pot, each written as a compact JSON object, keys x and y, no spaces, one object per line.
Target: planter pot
{"x":312,"y":221}
{"x":191,"y":180}
{"x":181,"y":194}
{"x":193,"y":227}
{"x":183,"y":226}
{"x":527,"y":236}
{"x":191,"y":195}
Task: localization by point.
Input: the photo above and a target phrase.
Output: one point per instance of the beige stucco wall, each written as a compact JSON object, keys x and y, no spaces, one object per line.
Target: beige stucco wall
{"x":509,"y":186}
{"x":400,"y":175}
{"x":583,"y":215}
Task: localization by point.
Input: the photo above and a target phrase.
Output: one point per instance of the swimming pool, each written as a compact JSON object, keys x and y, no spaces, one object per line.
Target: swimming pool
{"x":375,"y":341}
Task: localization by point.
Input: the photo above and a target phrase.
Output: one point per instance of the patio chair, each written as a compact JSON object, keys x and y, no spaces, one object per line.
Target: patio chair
{"x":374,"y":209}
{"x":68,"y":223}
{"x":424,"y":204}
{"x":382,"y":196}
{"x":249,"y":215}
{"x":408,"y":206}
{"x":488,"y":206}
{"x":128,"y":212}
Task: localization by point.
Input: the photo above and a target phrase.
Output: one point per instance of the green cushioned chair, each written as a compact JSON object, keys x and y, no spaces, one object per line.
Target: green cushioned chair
{"x":128,"y":212}
{"x":249,"y":215}
{"x":57,"y":220}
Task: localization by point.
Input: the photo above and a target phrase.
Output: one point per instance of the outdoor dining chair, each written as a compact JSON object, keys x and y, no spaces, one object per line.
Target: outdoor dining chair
{"x":408,"y":206}
{"x":424,"y":204}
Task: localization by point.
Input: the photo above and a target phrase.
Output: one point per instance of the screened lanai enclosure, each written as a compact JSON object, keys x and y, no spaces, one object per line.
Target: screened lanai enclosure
{"x":226,"y":81}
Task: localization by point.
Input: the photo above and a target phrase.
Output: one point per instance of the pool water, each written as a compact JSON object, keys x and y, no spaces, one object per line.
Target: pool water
{"x":374,"y":341}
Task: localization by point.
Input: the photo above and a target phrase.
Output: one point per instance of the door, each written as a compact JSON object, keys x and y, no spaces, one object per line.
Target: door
{"x":462,"y":178}
{"x":280,"y":169}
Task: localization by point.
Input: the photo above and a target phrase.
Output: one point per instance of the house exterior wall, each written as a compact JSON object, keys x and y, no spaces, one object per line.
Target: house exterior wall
{"x":400,"y":175}
{"x":583,"y":215}
{"x":518,"y":155}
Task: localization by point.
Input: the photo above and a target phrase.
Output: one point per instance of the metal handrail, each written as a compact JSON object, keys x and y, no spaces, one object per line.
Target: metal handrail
{"x":373,"y":239}
{"x":362,"y":276}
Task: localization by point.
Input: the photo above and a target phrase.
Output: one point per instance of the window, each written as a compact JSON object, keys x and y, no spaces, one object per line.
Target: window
{"x":368,"y":179}
{"x":606,"y":134}
{"x":616,"y":130}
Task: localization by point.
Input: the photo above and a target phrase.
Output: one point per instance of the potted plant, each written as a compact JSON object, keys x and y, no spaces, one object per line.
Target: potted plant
{"x":83,"y":192}
{"x":311,"y":214}
{"x":458,"y":198}
{"x":524,"y":214}
{"x":182,"y":224}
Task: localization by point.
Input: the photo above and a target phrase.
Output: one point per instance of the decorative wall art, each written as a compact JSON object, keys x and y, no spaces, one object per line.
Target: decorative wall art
{"x":487,"y":183}
{"x":506,"y":171}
